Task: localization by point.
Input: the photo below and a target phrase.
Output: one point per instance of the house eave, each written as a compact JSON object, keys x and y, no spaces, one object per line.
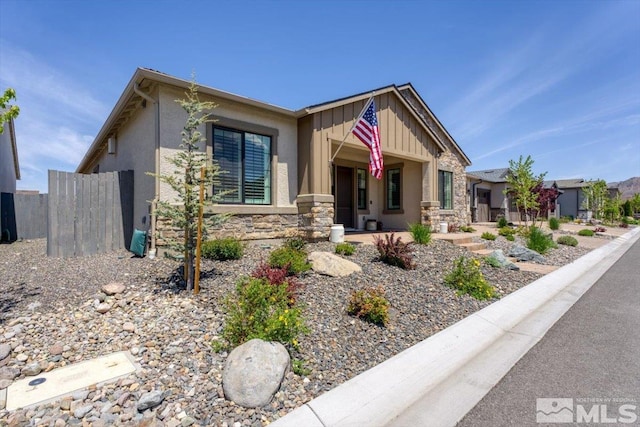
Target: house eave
{"x":129,"y":97}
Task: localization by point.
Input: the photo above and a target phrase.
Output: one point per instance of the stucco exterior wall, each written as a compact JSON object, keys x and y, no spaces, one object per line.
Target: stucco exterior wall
{"x":285,"y":153}
{"x":135,"y":150}
{"x":7,"y":163}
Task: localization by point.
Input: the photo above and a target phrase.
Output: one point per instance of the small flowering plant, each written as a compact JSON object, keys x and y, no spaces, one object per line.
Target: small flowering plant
{"x":260,"y":309}
{"x":467,"y":278}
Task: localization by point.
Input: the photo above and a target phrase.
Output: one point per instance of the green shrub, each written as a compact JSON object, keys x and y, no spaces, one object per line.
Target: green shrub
{"x":510,"y":237}
{"x":294,"y":261}
{"x":567,"y":240}
{"x":298,"y":368}
{"x":466,"y":278}
{"x":278,"y":276}
{"x":539,"y":241}
{"x":502,"y":222}
{"x":259,"y":309}
{"x":345,"y":248}
{"x":586,"y":232}
{"x":488,"y":236}
{"x":554,"y":223}
{"x":506,"y":231}
{"x":295,"y":243}
{"x":369,"y":304}
{"x":223,"y":249}
{"x":566,"y":219}
{"x":394,"y":251}
{"x":420,"y":233}
{"x":467,"y":229}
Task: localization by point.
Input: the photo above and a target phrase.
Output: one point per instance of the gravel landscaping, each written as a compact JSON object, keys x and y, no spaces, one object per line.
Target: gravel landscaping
{"x":48,"y":318}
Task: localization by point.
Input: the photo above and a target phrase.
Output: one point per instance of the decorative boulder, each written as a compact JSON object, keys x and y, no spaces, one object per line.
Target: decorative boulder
{"x":113,"y":288}
{"x":253,"y":372}
{"x":332,"y":265}
{"x":524,"y":254}
{"x":498,"y":255}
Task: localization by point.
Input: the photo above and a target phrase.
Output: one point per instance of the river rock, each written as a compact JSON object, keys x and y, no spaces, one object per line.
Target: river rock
{"x":150,"y":400}
{"x":113,"y":288}
{"x":5,"y":350}
{"x":254,"y":371}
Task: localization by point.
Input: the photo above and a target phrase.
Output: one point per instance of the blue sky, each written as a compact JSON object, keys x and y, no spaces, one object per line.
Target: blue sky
{"x":557,"y":80}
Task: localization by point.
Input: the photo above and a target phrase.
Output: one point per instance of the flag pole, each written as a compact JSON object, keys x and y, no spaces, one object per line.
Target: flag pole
{"x":352,"y":126}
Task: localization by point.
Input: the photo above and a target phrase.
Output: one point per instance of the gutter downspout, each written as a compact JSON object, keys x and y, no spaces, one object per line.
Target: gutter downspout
{"x":156,"y":197}
{"x":475,"y":201}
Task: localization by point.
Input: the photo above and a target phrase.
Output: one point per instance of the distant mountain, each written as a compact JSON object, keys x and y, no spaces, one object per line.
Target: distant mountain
{"x":629,"y":187}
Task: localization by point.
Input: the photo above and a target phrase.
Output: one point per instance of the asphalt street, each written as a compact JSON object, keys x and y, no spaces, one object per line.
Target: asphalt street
{"x":585,"y":369}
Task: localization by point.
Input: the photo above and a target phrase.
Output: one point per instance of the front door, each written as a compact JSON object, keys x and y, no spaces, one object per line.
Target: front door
{"x":484,"y":200}
{"x":344,"y":196}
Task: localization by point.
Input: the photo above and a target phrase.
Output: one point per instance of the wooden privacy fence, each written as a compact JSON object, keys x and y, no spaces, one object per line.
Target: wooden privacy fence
{"x":89,"y":214}
{"x":31,"y":215}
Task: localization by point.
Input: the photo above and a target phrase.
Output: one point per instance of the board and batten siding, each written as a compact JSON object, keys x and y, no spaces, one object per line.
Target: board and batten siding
{"x":402,"y":135}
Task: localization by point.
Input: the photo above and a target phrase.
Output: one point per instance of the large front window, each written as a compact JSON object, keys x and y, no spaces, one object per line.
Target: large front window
{"x":245,"y":159}
{"x":445,"y":189}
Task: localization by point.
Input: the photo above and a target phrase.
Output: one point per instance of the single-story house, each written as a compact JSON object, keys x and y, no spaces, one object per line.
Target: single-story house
{"x":9,"y":173}
{"x":488,"y":198}
{"x":278,"y":160}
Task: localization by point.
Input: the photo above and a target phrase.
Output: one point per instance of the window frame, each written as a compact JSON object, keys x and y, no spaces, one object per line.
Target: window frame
{"x":243,"y":130}
{"x":365,"y":204}
{"x":393,"y":210}
{"x":442,"y":173}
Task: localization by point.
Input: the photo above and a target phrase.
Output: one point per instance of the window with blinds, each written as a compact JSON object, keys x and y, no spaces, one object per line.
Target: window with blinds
{"x":245,"y":159}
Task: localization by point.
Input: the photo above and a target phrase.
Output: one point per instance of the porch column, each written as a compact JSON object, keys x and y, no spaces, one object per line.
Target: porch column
{"x":429,"y":205}
{"x":315,"y":216}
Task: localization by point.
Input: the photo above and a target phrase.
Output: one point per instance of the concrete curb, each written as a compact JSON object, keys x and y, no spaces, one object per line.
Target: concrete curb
{"x":437,"y":381}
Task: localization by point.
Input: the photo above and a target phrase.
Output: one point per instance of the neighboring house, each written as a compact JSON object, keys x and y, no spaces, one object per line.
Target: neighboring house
{"x":571,"y":197}
{"x":9,"y":173}
{"x":488,"y":198}
{"x":278,"y":160}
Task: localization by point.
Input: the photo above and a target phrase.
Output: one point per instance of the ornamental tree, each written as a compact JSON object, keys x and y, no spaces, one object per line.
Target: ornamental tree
{"x":595,"y":195}
{"x":546,"y":200}
{"x":7,"y":112}
{"x":185,"y":179}
{"x":521,"y":183}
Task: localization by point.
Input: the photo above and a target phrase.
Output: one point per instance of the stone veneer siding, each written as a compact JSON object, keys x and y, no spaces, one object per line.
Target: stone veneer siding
{"x":241,"y":226}
{"x":312,"y":222}
{"x":451,"y":160}
{"x":315,"y":216}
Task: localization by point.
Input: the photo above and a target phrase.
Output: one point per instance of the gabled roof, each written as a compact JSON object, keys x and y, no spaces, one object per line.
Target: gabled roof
{"x":572,"y":183}
{"x":129,"y":99}
{"x":365,"y":95}
{"x":490,"y":175}
{"x":409,"y":87}
{"x":145,"y":77}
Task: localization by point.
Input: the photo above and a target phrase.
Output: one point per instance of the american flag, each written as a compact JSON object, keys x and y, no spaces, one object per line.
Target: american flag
{"x":366,"y":129}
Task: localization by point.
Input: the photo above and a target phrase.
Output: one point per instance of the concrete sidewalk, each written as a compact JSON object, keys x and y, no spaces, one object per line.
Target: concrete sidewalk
{"x":438,"y":381}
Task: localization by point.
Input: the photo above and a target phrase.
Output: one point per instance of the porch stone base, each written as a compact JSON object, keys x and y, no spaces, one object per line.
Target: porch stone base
{"x":315,"y":216}
{"x":430,"y":213}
